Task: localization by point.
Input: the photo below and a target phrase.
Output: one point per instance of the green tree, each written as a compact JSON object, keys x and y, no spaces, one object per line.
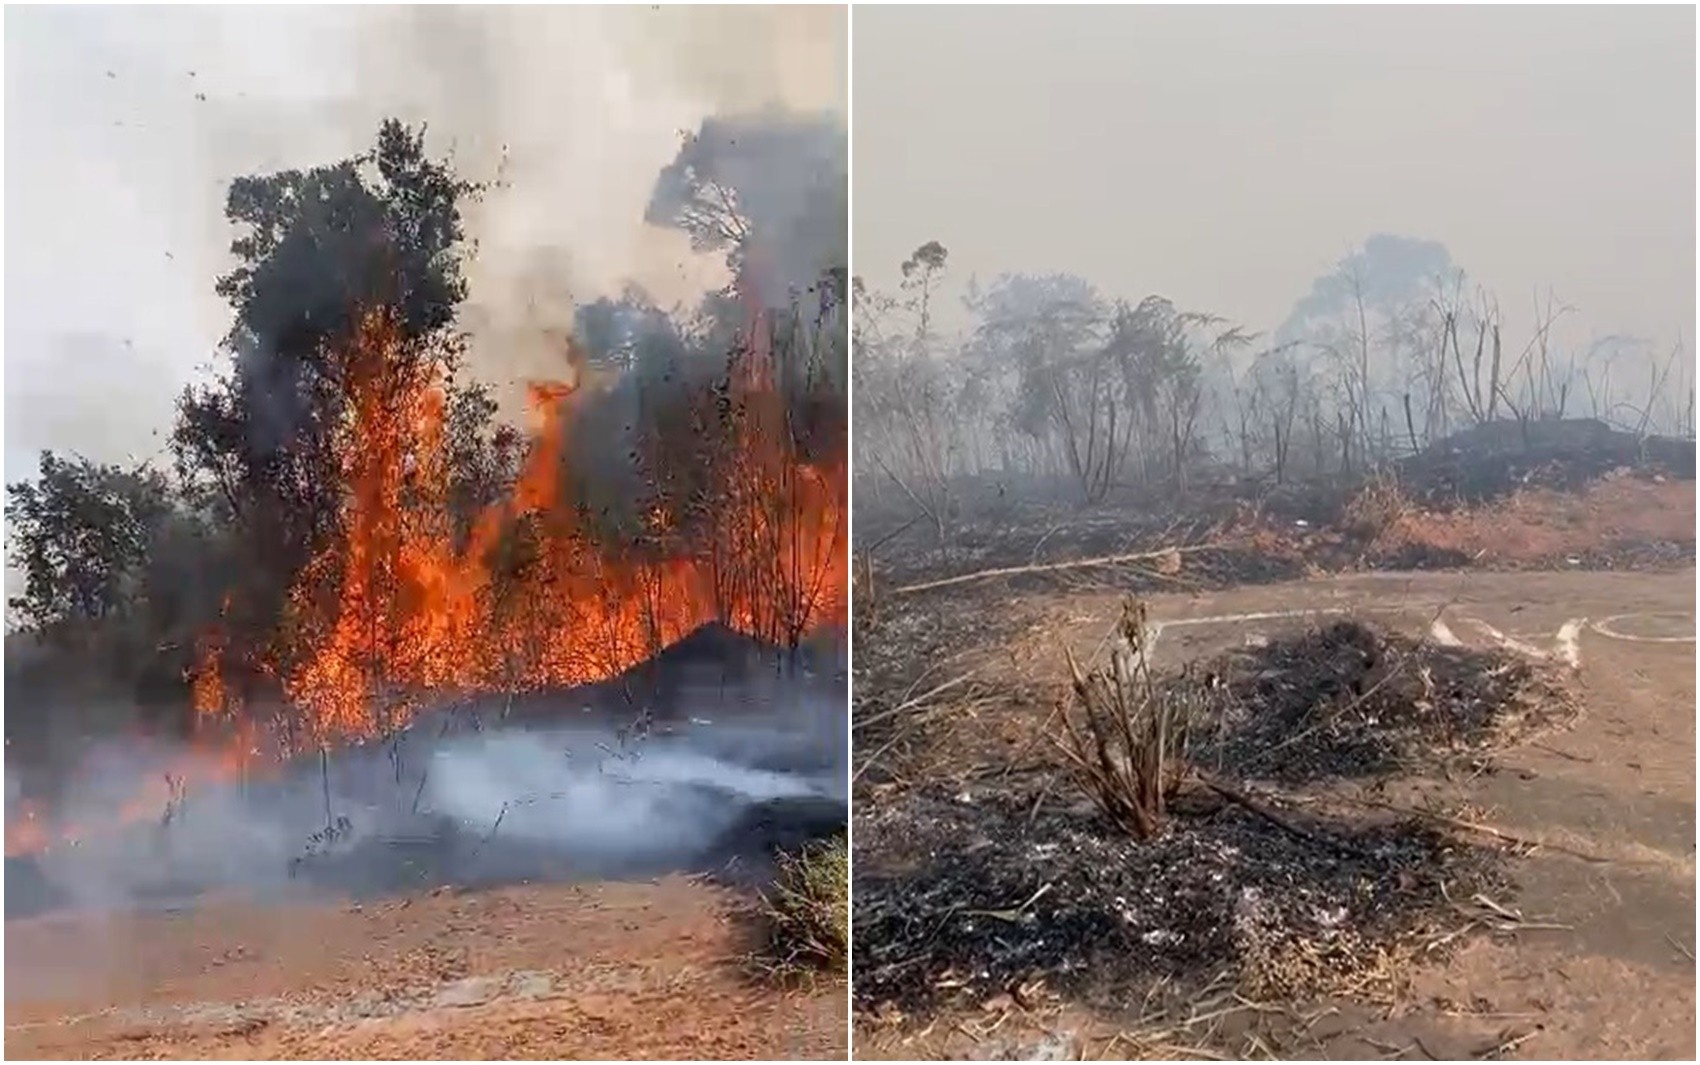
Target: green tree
{"x":81,"y":533}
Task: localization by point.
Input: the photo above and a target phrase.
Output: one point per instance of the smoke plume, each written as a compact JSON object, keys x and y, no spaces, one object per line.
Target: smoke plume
{"x":125,"y":128}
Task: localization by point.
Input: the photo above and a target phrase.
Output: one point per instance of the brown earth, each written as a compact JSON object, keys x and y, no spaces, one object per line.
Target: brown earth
{"x":1543,"y":524}
{"x":1605,"y":811}
{"x":636,"y":970}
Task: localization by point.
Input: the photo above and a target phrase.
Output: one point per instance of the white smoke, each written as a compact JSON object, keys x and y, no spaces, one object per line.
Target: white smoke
{"x":495,"y":803}
{"x":124,"y":128}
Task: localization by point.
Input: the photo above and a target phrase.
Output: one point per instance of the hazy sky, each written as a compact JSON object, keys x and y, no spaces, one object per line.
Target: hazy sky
{"x":1224,"y":157}
{"x":124,"y":127}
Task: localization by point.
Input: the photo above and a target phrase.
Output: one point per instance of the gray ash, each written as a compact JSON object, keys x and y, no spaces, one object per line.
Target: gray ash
{"x":1349,"y":700}
{"x":994,"y":897}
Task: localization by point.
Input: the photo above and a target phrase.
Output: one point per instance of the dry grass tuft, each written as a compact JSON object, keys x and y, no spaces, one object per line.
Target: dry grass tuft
{"x":1127,"y":747}
{"x":807,"y":911}
{"x":1377,"y":509}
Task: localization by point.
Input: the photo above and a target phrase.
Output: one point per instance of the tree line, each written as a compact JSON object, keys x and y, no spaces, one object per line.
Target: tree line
{"x":1054,"y":381}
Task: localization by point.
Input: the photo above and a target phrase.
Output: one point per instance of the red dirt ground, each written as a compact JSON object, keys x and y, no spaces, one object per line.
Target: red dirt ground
{"x":641,"y":970}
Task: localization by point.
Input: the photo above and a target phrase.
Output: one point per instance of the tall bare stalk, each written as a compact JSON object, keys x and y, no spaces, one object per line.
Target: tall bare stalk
{"x":1127,"y":749}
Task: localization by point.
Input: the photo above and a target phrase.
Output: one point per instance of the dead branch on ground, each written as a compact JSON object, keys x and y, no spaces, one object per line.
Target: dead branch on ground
{"x":1051,"y":567}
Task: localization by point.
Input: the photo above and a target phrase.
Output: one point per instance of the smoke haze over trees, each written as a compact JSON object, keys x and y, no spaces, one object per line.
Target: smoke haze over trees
{"x":126,"y":565}
{"x":1391,"y":351}
{"x":1172,"y":255}
{"x":564,"y":120}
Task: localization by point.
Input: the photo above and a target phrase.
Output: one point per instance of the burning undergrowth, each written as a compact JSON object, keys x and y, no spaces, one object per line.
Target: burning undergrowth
{"x":1350,"y":700}
{"x":735,"y":767}
{"x":533,"y":594}
{"x":402,"y":613}
{"x":1004,"y":889}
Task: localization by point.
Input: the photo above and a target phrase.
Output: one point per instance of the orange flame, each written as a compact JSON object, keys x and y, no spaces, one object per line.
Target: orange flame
{"x":533,"y":598}
{"x":398,"y":609}
{"x":26,"y":832}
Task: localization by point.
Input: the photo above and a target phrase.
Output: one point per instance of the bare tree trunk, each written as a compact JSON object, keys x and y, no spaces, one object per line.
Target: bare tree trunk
{"x":1472,"y":395}
{"x":1362,"y":411}
{"x":1493,"y":377}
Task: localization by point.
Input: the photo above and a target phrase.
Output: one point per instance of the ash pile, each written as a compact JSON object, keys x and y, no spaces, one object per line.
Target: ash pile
{"x":1494,"y":458}
{"x":1195,"y":831}
{"x":1350,"y":700}
{"x":712,"y":758}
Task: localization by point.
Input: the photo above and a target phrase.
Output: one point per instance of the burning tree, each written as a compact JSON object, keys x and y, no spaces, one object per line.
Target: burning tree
{"x":318,"y":251}
{"x":409,"y":569}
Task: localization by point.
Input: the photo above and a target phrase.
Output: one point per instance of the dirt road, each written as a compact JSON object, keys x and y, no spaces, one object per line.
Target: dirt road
{"x":1617,"y":980}
{"x":644,"y":970}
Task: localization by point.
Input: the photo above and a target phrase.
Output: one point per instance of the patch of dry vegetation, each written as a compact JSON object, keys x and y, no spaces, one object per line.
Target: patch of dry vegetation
{"x":1375,"y":509}
{"x":807,"y":911}
{"x":1126,"y":747}
{"x":1623,"y":519}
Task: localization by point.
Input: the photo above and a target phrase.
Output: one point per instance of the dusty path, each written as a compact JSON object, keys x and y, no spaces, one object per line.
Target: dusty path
{"x":1619,"y":981}
{"x":647,"y":970}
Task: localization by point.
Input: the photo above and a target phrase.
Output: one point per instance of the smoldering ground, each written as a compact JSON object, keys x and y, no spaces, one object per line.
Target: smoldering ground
{"x":693,"y":773}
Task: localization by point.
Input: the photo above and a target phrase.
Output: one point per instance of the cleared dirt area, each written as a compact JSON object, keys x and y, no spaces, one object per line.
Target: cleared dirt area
{"x":1598,"y":818}
{"x":615,"y":970}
